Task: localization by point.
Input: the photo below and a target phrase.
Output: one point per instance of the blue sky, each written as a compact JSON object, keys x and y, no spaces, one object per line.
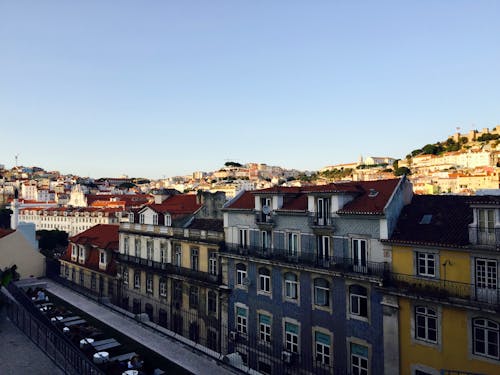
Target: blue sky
{"x":163,"y":88}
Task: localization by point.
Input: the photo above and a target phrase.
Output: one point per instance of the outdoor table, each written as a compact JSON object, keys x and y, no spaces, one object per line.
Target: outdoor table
{"x":75,"y":322}
{"x":85,"y":342}
{"x":69,"y":319}
{"x":102,"y":342}
{"x":101,"y":357}
{"x":109,"y":345}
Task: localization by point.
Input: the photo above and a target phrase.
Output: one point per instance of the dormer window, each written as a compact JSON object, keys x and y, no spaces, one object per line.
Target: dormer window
{"x":141,"y":218}
{"x":81,"y":254}
{"x":102,"y":260}
{"x":155,"y":219}
{"x":168,"y":220}
{"x":74,"y":253}
{"x":131,"y":217}
{"x":323,"y":211}
{"x":486,"y":226}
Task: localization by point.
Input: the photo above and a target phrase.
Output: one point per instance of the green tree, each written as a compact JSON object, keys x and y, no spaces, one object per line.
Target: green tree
{"x":402,"y":171}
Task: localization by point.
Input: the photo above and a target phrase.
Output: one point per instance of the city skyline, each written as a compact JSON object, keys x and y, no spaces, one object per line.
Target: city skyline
{"x":166,"y":89}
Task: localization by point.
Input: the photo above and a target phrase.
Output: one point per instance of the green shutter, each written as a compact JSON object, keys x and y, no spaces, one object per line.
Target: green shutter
{"x":359,"y":350}
{"x":322,"y":338}
{"x":264,"y":319}
{"x":292,"y":328}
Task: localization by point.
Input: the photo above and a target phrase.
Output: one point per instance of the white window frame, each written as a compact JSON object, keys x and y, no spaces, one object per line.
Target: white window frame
{"x":424,"y":315}
{"x":195,"y":258}
{"x":425,"y":259}
{"x":149,"y":283}
{"x":167,"y":219}
{"x":137,"y":280}
{"x":291,"y":286}
{"x":264,"y":328}
{"x":264,"y":281}
{"x":149,"y":250}
{"x":360,"y":368}
{"x":178,"y":255}
{"x":141,"y":218}
{"x":320,"y":349}
{"x":155,"y":219}
{"x":81,"y":254}
{"x":137,"y":247}
{"x":355,"y":301}
{"x":125,"y":276}
{"x":291,"y":339}
{"x":241,"y":275}
{"x":163,"y":253}
{"x":126,"y":247}
{"x":487,"y":331}
{"x":162,"y":287}
{"x":321,"y":289}
{"x":241,"y":321}
{"x":212,"y":263}
{"x":74,"y":252}
{"x":243,"y":237}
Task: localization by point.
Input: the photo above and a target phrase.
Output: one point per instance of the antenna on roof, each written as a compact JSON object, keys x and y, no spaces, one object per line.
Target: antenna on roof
{"x":16,"y":156}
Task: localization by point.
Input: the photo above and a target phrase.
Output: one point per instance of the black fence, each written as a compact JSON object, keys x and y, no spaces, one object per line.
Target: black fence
{"x":59,"y":348}
{"x":485,"y":237}
{"x":334,"y":263}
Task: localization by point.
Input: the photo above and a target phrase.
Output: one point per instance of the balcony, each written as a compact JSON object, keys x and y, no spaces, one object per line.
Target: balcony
{"x":485,"y":237}
{"x":321,"y":220}
{"x":443,"y":290}
{"x":264,"y":221}
{"x":168,"y":268}
{"x":310,"y":258}
{"x":173,"y":232}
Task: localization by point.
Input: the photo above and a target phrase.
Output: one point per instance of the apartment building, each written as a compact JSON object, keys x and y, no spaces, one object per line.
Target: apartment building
{"x":445,"y":275}
{"x":305,"y":266}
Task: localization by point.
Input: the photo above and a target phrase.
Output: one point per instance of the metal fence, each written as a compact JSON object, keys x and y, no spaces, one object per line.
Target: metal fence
{"x":28,"y":318}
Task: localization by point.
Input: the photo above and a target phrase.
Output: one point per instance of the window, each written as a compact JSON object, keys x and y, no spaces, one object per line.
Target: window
{"x":264,"y":280}
{"x":321,"y":292}
{"x":426,"y":324}
{"x":162,"y":287}
{"x":74,"y":253}
{"x":163,"y":253}
{"x":323,"y":254}
{"x":193,"y":297}
{"x":487,"y":280}
{"x":131,"y":217}
{"x":212,"y":263}
{"x":177,"y":297}
{"x":291,"y":286}
{"x":359,"y":359}
{"x":137,"y":280}
{"x":155,"y":219}
{"x":137,"y":248}
{"x":292,"y":337}
{"x":243,"y":238}
{"x":264,"y":328}
{"x":126,"y":245}
{"x":149,"y":283}
{"x":359,"y":255}
{"x":486,"y":219}
{"x":241,"y":319}
{"x":194,"y":258}
{"x":241,"y":274}
{"x":293,"y":244}
{"x":102,"y":257}
{"x":93,"y":281}
{"x":358,"y":301}
{"x":323,"y":213}
{"x":265,"y":238}
{"x":211,"y":302}
{"x":168,"y":220}
{"x":149,"y":250}
{"x":178,"y":255}
{"x":81,"y":255}
{"x":82,"y":277}
{"x":141,"y":218}
{"x":125,"y":276}
{"x":486,"y":338}
{"x":322,"y":346}
{"x":426,"y":264}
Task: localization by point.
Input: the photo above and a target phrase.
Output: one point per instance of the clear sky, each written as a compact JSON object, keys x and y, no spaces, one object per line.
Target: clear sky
{"x":163,"y":88}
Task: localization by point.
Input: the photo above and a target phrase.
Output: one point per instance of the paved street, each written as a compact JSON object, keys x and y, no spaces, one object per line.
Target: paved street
{"x":20,"y":356}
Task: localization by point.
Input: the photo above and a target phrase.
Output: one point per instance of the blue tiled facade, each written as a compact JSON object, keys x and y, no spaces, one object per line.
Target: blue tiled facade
{"x":341,"y":336}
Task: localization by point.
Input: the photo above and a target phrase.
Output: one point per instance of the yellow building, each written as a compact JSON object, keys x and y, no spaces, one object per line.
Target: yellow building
{"x":445,"y":276}
{"x":169,"y":267}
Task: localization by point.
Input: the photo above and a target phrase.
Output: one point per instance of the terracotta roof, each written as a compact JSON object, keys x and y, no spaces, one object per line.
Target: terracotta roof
{"x":131,"y":200}
{"x":5,"y":232}
{"x":374,"y":197}
{"x":177,"y":204}
{"x":434,"y":220}
{"x":370,"y":197}
{"x":103,"y":236}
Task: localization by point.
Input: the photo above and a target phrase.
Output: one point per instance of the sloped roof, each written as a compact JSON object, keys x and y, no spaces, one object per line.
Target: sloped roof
{"x":215,"y":225}
{"x":447,"y":218}
{"x":103,"y":236}
{"x":177,"y":204}
{"x":370,"y":197}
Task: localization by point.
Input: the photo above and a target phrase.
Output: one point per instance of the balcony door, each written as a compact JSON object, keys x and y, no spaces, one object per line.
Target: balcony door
{"x":487,"y":280}
{"x":486,"y":221}
{"x":323,"y":254}
{"x":265,"y":240}
{"x":323,"y":210}
{"x":359,"y":255}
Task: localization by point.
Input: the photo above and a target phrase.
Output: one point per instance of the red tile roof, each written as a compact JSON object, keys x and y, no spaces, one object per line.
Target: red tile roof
{"x":131,"y":200}
{"x":5,"y":232}
{"x":103,"y":236}
{"x":373,"y":199}
{"x":370,"y":197}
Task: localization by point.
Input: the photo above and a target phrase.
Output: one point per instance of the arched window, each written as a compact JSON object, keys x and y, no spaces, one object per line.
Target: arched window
{"x":241,"y":274}
{"x":291,"y":286}
{"x":264,"y":280}
{"x":486,"y":338}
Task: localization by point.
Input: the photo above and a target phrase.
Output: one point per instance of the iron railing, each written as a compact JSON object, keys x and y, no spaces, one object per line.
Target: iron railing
{"x":452,"y":291}
{"x":59,"y":348}
{"x":169,"y":268}
{"x":323,"y":219}
{"x":485,"y":237}
{"x":334,"y":263}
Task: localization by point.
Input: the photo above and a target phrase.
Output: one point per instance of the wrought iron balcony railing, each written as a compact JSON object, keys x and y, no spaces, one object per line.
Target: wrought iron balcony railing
{"x":487,"y":237}
{"x":169,"y":268}
{"x":451,"y":291}
{"x":311,"y":258}
{"x":264,"y":219}
{"x":321,"y":219}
